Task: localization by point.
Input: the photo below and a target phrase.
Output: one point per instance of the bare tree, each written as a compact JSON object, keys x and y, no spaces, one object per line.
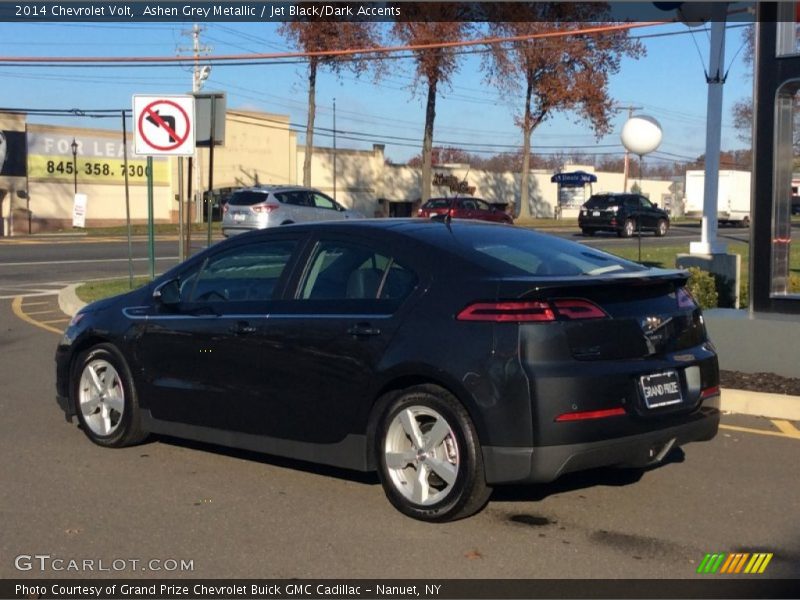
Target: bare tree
{"x":743,"y":109}
{"x":557,"y":73}
{"x":434,"y":67}
{"x":322,"y":36}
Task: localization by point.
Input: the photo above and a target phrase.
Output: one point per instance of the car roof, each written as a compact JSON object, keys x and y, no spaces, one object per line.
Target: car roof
{"x":273,"y":187}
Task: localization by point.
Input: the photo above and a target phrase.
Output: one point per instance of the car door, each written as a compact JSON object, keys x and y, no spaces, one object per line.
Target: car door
{"x":326,"y":208}
{"x":200,"y":358}
{"x":327,"y":340}
{"x":485,"y":212}
{"x":650,"y":214}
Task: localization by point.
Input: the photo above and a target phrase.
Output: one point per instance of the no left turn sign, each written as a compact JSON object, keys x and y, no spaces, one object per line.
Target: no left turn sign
{"x":164,"y":125}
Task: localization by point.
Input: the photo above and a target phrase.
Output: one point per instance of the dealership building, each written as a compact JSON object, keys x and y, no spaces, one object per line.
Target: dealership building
{"x":42,"y":167}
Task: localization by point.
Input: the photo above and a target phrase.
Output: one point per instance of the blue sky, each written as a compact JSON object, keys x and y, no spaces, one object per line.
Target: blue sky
{"x":669,"y":83}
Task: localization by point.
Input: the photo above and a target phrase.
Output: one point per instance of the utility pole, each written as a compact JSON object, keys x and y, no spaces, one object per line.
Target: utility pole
{"x":199,"y":74}
{"x":630,"y":110}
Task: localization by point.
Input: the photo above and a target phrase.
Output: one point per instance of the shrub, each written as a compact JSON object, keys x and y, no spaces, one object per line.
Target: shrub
{"x":703,"y":287}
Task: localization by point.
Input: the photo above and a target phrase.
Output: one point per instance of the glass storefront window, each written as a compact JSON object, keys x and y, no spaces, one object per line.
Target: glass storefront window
{"x":786,"y":203}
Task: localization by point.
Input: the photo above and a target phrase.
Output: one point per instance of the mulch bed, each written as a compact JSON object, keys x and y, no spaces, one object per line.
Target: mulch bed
{"x":760,"y":382}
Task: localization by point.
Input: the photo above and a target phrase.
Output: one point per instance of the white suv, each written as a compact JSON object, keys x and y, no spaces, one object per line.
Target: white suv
{"x":272,"y":205}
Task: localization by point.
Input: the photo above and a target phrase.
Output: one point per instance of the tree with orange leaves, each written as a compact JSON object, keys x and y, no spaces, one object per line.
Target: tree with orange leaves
{"x":434,"y":67}
{"x":321,"y":36}
{"x":568,"y":73}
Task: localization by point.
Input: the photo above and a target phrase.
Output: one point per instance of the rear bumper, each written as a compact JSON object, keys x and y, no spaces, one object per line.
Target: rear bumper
{"x":546,"y":463}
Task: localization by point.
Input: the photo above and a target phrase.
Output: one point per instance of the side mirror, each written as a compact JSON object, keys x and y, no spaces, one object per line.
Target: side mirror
{"x":168,"y":293}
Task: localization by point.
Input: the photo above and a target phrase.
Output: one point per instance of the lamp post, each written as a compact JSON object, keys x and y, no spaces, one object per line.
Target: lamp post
{"x":75,"y":164}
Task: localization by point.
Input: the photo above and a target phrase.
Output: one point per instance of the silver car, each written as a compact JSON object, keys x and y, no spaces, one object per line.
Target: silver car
{"x":272,"y":205}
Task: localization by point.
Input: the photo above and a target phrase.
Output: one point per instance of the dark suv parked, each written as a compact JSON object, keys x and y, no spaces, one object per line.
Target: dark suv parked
{"x":624,"y":213}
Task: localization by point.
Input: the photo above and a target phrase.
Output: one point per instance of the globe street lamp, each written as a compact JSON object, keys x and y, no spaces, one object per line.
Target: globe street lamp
{"x":75,"y":164}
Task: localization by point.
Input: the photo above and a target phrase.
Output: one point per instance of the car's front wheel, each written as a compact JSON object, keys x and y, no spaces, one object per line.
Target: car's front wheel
{"x":429,"y":457}
{"x":105,"y":399}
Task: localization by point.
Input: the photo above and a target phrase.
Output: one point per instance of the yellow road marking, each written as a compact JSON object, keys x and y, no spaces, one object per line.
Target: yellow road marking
{"x":16,"y":307}
{"x":757,"y":431}
{"x":35,"y":303}
{"x":66,"y":320}
{"x":787,"y":428}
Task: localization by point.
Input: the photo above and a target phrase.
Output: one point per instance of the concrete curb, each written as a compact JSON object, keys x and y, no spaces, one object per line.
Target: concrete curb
{"x":68,"y":300}
{"x":759,"y":404}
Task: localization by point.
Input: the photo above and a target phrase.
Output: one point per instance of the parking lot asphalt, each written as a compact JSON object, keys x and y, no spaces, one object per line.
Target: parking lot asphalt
{"x":239,"y":514}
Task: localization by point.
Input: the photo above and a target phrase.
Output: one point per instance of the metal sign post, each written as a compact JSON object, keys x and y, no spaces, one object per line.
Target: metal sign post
{"x":180,"y":208}
{"x":211,"y":169}
{"x":151,"y":239}
{"x":127,"y":198}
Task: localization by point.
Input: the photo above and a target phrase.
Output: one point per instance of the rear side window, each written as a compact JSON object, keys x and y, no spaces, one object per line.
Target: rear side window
{"x":247,"y":198}
{"x":439,"y":203}
{"x":343,"y":271}
{"x":521,"y":252}
{"x":295,"y":198}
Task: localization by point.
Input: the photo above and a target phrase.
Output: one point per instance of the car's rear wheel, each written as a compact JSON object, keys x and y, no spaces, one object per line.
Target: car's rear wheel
{"x":588,"y":232}
{"x":105,"y":399}
{"x":745,"y":222}
{"x":628,"y":228}
{"x":429,"y":457}
{"x":662,"y":228}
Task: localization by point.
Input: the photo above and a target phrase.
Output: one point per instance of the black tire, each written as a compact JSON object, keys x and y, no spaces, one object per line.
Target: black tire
{"x":127,"y":429}
{"x":662,"y":227}
{"x":628,"y":227}
{"x":468,"y":492}
{"x":588,"y":232}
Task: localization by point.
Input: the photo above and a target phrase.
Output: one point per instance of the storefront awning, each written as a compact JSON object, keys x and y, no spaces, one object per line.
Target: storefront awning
{"x":573,"y":179}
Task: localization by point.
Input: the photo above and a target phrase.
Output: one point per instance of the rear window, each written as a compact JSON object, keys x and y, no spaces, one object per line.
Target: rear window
{"x":521,"y":252}
{"x":604,"y":201}
{"x":441,"y":203}
{"x":247,"y":198}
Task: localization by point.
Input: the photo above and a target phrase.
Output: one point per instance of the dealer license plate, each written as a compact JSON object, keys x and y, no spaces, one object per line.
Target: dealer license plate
{"x":661,"y":389}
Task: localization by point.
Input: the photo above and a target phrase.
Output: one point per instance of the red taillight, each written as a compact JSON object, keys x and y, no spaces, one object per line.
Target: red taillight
{"x":507,"y":311}
{"x":591,"y":414}
{"x":565,"y":309}
{"x":264,"y":208}
{"x":685,"y":299}
{"x":579,"y":309}
{"x":709,"y":392}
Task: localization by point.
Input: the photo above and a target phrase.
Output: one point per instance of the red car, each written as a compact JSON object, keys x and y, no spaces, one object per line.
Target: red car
{"x":463,"y":208}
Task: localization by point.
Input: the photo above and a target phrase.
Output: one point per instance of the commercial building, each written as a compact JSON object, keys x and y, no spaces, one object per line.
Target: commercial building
{"x":45,"y":165}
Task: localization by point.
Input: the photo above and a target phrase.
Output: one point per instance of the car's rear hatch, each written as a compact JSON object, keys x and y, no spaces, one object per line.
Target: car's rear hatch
{"x":629,"y":344}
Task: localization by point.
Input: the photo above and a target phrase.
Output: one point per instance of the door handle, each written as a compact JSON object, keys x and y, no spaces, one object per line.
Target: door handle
{"x":363,"y":329}
{"x":242,"y":328}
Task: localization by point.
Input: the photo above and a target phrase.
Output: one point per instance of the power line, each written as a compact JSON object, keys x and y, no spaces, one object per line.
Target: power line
{"x":334,"y":53}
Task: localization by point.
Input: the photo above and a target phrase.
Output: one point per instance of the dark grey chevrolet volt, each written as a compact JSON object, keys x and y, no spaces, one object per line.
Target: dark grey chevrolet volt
{"x":449,"y":357}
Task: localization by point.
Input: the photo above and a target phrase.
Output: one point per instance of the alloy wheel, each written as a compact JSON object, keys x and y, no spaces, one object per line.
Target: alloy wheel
{"x":422,"y":455}
{"x":101,"y":397}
